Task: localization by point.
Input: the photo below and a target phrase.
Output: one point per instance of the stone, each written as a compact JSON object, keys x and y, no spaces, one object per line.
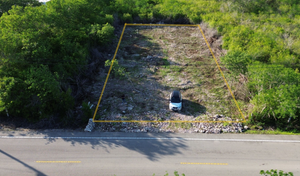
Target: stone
{"x":130,"y":107}
{"x":90,"y":126}
{"x":225,"y":130}
{"x":217,"y":131}
{"x":135,"y":55}
{"x":240,"y":129}
{"x":122,"y":107}
{"x":218,"y":116}
{"x":246,"y":127}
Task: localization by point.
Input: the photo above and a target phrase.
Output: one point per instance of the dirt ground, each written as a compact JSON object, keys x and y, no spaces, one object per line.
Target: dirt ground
{"x":157,"y":60}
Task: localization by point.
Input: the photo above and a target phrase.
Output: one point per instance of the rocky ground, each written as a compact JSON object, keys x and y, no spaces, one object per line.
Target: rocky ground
{"x":155,"y":61}
{"x":157,"y":127}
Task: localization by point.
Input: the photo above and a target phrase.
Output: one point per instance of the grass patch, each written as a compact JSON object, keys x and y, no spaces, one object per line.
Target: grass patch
{"x":226,"y":124}
{"x":165,"y":61}
{"x":183,"y":125}
{"x":276,"y":132}
{"x":176,"y":68}
{"x":164,"y":72}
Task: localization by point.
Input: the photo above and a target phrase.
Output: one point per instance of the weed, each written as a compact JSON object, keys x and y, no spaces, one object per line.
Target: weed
{"x":164,"y":72}
{"x":226,"y":124}
{"x":279,"y":132}
{"x":165,"y":51}
{"x":165,"y":61}
{"x":176,"y":68}
{"x":186,"y":125}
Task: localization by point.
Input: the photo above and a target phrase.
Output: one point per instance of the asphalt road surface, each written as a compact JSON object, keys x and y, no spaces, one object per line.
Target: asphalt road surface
{"x":79,"y":153}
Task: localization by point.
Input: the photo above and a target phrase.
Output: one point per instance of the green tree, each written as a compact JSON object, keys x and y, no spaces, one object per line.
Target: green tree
{"x":42,"y":48}
{"x":6,"y":5}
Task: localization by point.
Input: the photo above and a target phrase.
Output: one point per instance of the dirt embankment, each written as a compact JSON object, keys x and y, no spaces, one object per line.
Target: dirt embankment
{"x":156,"y":61}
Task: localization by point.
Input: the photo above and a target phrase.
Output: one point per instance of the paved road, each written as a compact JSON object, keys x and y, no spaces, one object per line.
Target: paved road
{"x":77,"y":153}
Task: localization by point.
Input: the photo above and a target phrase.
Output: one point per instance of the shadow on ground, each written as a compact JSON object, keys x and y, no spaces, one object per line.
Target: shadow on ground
{"x":148,"y":144}
{"x":38,"y":173}
{"x":190,"y":107}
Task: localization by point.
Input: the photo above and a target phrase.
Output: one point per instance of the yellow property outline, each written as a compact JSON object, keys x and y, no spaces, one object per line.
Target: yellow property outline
{"x":170,"y":121}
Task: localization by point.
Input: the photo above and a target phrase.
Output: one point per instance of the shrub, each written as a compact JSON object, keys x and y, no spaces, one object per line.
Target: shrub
{"x":117,"y":70}
{"x":88,"y":110}
{"x":109,"y":19}
{"x":277,"y":106}
{"x":267,"y":76}
{"x":238,"y":38}
{"x":237,"y":61}
{"x":127,"y":18}
{"x":101,"y":34}
{"x":276,"y":94}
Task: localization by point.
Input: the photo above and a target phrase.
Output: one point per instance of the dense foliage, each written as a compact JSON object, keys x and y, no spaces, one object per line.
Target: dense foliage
{"x":42,"y":48}
{"x":39,"y":57}
{"x":6,"y":5}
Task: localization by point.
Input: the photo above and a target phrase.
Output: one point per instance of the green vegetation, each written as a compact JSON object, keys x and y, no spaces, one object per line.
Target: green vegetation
{"x":273,"y":172}
{"x":43,"y":47}
{"x":117,"y":70}
{"x":175,"y":174}
{"x":270,"y":132}
{"x":6,"y":5}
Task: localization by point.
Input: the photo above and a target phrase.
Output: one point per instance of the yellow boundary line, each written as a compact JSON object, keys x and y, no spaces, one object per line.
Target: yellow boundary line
{"x":167,"y":121}
{"x":222,"y":73}
{"x":112,"y":62}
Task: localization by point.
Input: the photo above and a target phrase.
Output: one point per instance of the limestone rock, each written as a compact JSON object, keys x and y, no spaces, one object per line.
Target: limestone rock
{"x":90,"y":126}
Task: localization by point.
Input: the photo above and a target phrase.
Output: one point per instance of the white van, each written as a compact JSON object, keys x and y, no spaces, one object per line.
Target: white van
{"x":175,"y":101}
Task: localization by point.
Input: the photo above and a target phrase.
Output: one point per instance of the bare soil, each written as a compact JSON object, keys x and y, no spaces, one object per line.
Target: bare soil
{"x":158,"y":60}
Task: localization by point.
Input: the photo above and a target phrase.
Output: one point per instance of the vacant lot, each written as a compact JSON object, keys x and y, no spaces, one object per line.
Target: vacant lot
{"x":157,"y":60}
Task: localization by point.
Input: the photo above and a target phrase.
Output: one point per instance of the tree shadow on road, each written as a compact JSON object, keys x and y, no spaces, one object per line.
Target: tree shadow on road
{"x":153,"y":145}
{"x":38,"y":173}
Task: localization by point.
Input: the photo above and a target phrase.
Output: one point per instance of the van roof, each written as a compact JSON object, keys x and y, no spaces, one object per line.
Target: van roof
{"x":176,"y":93}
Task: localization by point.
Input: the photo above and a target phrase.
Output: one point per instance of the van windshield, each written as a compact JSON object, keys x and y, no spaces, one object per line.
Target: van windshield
{"x":175,"y":99}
